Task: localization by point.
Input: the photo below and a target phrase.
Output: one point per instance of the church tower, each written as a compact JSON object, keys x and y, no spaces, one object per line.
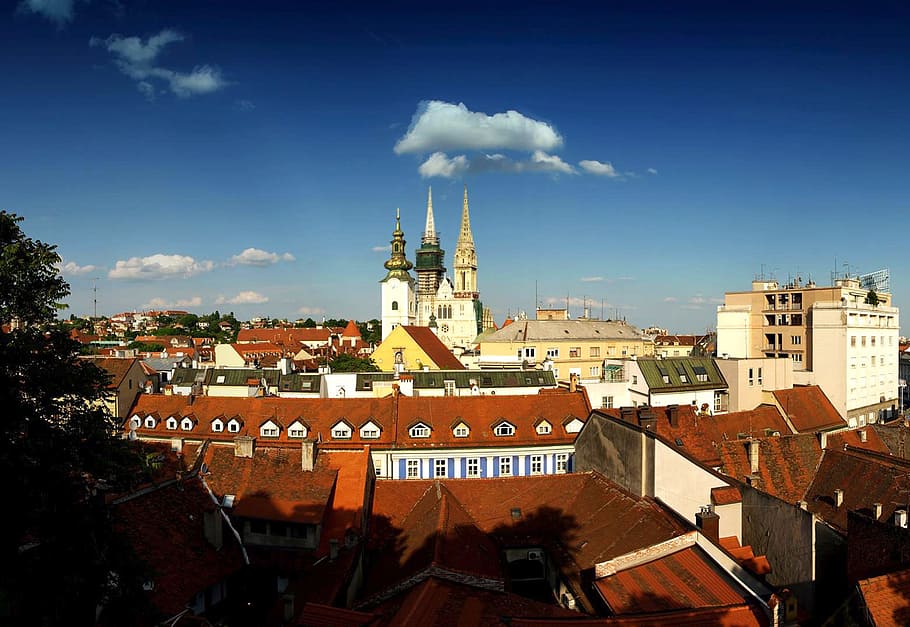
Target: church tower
{"x":465,"y":257}
{"x":398,"y":299}
{"x":430,"y":257}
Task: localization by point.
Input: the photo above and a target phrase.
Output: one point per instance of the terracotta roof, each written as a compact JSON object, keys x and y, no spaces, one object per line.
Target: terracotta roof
{"x":683,"y":580}
{"x":786,"y":464}
{"x":116,"y":367}
{"x":444,"y":603}
{"x":319,"y":615}
{"x":726,"y":495}
{"x":288,"y":336}
{"x":808,"y":409}
{"x":702,"y":436}
{"x":271,"y":484}
{"x":854,"y":438}
{"x":887,"y":598}
{"x":165,"y":528}
{"x":351,"y":330}
{"x":581,"y":518}
{"x":865,"y":478}
{"x":734,"y":616}
{"x":434,"y":348}
{"x":352,"y":497}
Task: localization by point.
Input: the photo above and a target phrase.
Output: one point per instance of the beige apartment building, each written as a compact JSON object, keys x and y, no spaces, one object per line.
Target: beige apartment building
{"x":566,"y":347}
{"x":833,"y":337}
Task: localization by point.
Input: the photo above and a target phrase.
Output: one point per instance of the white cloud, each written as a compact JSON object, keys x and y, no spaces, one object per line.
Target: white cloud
{"x":58,"y":11}
{"x":381,"y":249}
{"x":245,"y":105}
{"x":137,"y":59}
{"x":71,"y":268}
{"x":308,"y":311}
{"x":697,"y":300}
{"x":652,"y":170}
{"x":440,"y":126}
{"x":260,"y":258}
{"x":591,"y":279}
{"x":247,"y":297}
{"x":161,"y":303}
{"x":439,"y":164}
{"x":574,"y":301}
{"x":670,"y":299}
{"x":600,"y":168}
{"x":159,"y":267}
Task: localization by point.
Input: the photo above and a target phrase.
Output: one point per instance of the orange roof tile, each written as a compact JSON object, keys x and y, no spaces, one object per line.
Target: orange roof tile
{"x":887,"y":598}
{"x":786,"y":464}
{"x":809,"y":409}
{"x":726,"y":496}
{"x":116,"y":367}
{"x":854,"y":438}
{"x":434,"y":348}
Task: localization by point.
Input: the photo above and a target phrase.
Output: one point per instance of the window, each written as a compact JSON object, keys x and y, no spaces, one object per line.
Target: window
{"x":504,"y":429}
{"x":449,"y":388}
{"x":562,"y":463}
{"x":440,"y":468}
{"x":461,"y":431}
{"x":852,"y":340}
{"x":171,"y":423}
{"x":634,"y":379}
{"x":528,"y":352}
{"x":341,"y":431}
{"x":419,"y":431}
{"x":544,"y":428}
{"x":297,"y":431}
{"x":796,"y":340}
{"x":872,"y":340}
{"x":268,"y":432}
{"x":149,"y":422}
{"x":575,"y":351}
{"x":394,"y":305}
{"x":702,"y":375}
{"x":595,"y":371}
{"x":552,"y":353}
{"x":377,"y":466}
{"x":217,"y":426}
{"x":234,"y":426}
{"x":862,"y":340}
{"x":797,"y":358}
{"x":720,"y":401}
{"x":505,"y":466}
{"x":759,"y":376}
{"x":413,"y":466}
{"x":473,"y":467}
{"x":606,"y":402}
{"x":751,"y":377}
{"x":219,"y":378}
{"x":536,"y":464}
{"x":595,"y":351}
{"x":369,"y":434}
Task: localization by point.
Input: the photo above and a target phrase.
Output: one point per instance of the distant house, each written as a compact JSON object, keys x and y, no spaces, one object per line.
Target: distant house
{"x":414,"y":348}
{"x":127,"y":380}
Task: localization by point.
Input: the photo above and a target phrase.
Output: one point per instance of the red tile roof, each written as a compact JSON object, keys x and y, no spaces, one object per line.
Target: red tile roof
{"x":702,"y":436}
{"x":117,"y":367}
{"x":726,"y":496}
{"x":165,"y":528}
{"x":434,"y":348}
{"x":808,"y":409}
{"x":887,"y":598}
{"x":865,"y":478}
{"x":854,"y":438}
{"x":271,"y":485}
{"x":732,"y":616}
{"x":786,"y":464}
{"x":288,"y":337}
{"x":686,"y":579}
{"x":351,"y":330}
{"x":318,"y":615}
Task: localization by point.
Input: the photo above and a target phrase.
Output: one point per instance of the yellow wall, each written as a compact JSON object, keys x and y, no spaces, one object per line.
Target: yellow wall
{"x":414,"y":357}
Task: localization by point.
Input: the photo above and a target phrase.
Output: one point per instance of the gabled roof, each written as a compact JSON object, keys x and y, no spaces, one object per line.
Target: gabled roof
{"x":287,"y":337}
{"x":654,"y":371}
{"x":116,"y":367}
{"x":808,"y":409}
{"x":441,"y":356}
{"x":886,"y":598}
{"x":701,"y":435}
{"x":865,"y":478}
{"x":351,"y":330}
{"x":786,"y":464}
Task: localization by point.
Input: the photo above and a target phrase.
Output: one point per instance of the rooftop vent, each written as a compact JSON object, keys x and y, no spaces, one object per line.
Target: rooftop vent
{"x":838,"y":497}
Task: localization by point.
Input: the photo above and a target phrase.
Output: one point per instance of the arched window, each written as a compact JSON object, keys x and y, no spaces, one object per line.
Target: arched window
{"x":394,"y":305}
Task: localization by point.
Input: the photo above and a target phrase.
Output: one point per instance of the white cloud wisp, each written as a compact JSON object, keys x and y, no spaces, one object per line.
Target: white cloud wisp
{"x":247,"y":297}
{"x":159,"y":267}
{"x":258,"y":257}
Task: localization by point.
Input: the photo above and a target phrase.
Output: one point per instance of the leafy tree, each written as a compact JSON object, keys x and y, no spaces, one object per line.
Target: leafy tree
{"x":189,"y":320}
{"x":58,"y":452}
{"x":872,"y":298}
{"x":371,"y":331}
{"x":309,"y":323}
{"x":349,"y":363}
{"x":146,"y":347}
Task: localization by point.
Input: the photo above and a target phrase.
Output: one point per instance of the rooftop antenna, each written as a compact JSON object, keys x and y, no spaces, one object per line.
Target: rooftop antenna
{"x":95,"y":296}
{"x":536,"y":297}
{"x":602,"y":303}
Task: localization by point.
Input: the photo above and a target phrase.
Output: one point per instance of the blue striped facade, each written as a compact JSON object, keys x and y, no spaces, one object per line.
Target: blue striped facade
{"x":456,"y":467}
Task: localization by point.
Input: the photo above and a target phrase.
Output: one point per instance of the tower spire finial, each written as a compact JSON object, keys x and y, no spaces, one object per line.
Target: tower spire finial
{"x":465,"y":234}
{"x":429,"y":233}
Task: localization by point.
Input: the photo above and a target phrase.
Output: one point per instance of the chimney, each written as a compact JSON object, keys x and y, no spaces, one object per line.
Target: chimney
{"x":823,"y":439}
{"x":213,"y":528}
{"x":573,"y":382}
{"x":838,"y":497}
{"x":753,"y":456}
{"x":244,"y":446}
{"x":308,"y":455}
{"x":647,"y":419}
{"x":900,"y":518}
{"x":877,"y":510}
{"x":333,"y":549}
{"x":708,"y":522}
{"x":862,"y":435}
{"x":673,"y":412}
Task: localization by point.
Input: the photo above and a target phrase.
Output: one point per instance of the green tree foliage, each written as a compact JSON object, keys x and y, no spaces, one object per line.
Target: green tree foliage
{"x":349,"y":363}
{"x":58,"y":452}
{"x":872,"y":298}
{"x":146,"y":347}
{"x":371,"y":331}
{"x":189,"y":320}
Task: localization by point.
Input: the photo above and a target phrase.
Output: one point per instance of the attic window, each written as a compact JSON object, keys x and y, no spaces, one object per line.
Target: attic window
{"x":369,"y":431}
{"x":461,"y":431}
{"x":217,"y":426}
{"x":297,"y":430}
{"x":679,"y":442}
{"x":171,"y":423}
{"x":367,"y":384}
{"x":341,"y":431}
{"x":515,"y":513}
{"x":504,"y":429}
{"x":186,"y":424}
{"x":682,"y":374}
{"x":419,"y":431}
{"x":700,"y":373}
{"x":135,"y":422}
{"x":269,"y":430}
{"x":234,"y":426}
{"x":219,"y":378}
{"x":149,"y":422}
{"x":544,"y":428}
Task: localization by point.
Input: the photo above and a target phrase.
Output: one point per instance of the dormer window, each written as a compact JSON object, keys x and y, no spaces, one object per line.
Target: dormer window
{"x":171,"y":423}
{"x":135,"y":422}
{"x":150,"y":422}
{"x":217,"y":425}
{"x":297,"y":430}
{"x":369,"y":431}
{"x":544,"y":428}
{"x":269,"y":429}
{"x":187,"y":424}
{"x":504,"y":429}
{"x":419,"y":430}
{"x":234,"y":425}
{"x":461,"y":431}
{"x":341,"y":431}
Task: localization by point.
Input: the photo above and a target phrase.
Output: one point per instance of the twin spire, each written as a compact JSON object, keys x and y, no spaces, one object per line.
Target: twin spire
{"x":429,"y":234}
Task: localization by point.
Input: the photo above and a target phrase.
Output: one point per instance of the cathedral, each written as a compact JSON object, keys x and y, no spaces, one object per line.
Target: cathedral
{"x":451,"y":308}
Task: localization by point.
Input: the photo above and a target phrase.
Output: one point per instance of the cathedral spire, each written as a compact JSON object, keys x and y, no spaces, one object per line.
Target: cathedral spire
{"x":465,"y":236}
{"x":398,"y":265}
{"x":429,"y":235}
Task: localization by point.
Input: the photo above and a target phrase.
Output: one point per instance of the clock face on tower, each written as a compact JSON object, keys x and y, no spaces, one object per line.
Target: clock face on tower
{"x":445,"y":328}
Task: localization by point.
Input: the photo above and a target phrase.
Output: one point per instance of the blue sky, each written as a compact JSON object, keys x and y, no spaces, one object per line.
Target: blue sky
{"x":642,"y":157}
